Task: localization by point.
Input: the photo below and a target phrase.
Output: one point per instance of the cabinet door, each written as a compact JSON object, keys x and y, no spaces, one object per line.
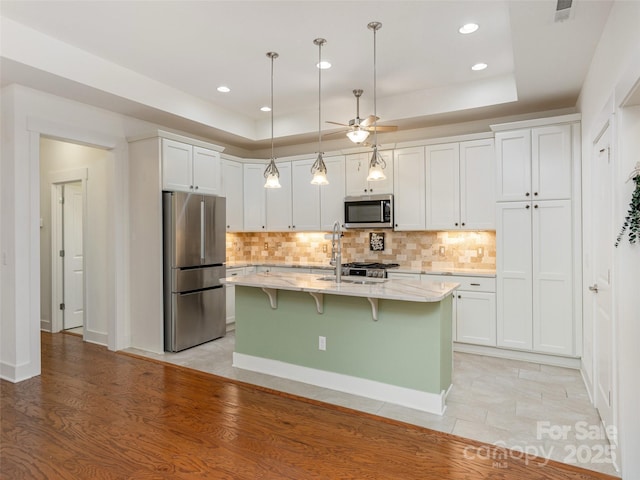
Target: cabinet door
{"x":233,"y":191}
{"x":206,"y":171}
{"x":279,"y":201}
{"x":513,"y":275}
{"x":409,"y":188}
{"x":356,"y":168}
{"x":551,"y":162}
{"x":177,"y":164}
{"x":254,"y":198}
{"x":476,"y":318}
{"x":332,"y":195}
{"x":477,"y":185}
{"x":442,"y":186}
{"x":305,"y":203}
{"x":513,"y":169}
{"x":553,"y":318}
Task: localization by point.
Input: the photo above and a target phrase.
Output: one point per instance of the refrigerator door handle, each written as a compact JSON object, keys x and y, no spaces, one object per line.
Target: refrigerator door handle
{"x":202,"y":245}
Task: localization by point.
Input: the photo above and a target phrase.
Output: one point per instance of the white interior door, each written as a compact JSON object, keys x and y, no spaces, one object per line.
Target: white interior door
{"x":603,"y":238}
{"x":73,"y":276}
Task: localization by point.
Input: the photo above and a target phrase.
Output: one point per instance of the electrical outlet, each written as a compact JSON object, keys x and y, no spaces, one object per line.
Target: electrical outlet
{"x":324,"y":248}
{"x":480,"y":251}
{"x":266,"y":246}
{"x":322,"y":343}
{"x":442,"y":251}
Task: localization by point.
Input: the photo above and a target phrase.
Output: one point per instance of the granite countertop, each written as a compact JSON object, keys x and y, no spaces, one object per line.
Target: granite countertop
{"x":471,"y":272}
{"x":391,"y":289}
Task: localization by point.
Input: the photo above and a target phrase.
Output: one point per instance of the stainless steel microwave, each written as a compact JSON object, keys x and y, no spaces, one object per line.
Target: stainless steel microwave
{"x":368,"y":211}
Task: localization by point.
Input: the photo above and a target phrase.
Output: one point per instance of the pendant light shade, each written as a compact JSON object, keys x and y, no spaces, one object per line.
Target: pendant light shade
{"x":271,"y":173}
{"x":376,"y":166}
{"x":377,"y":163}
{"x":319,"y":169}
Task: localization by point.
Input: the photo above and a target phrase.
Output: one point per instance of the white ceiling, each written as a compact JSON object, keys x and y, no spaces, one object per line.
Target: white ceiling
{"x":162,"y":61}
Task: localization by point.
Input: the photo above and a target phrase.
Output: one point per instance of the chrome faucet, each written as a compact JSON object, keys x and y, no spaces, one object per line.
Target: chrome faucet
{"x":336,"y":250}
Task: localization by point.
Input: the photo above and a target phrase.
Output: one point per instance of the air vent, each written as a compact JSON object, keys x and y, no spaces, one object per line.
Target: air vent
{"x":563,"y":10}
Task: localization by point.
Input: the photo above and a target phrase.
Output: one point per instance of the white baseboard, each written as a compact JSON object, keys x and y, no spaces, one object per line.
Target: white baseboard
{"x":555,"y":360}
{"x":45,"y":325}
{"x":95,"y":337}
{"x":424,"y":401}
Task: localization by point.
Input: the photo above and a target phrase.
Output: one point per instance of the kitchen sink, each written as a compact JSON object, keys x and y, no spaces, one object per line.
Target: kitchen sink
{"x":355,"y":280}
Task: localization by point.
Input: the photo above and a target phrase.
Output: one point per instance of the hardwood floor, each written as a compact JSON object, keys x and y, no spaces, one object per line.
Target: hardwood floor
{"x":95,"y":414}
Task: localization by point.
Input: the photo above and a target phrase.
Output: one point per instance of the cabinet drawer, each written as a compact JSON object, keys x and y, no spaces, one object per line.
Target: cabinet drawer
{"x":470,"y":284}
{"x":235,"y":272}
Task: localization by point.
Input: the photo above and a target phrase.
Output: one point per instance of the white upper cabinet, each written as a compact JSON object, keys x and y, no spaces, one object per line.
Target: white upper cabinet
{"x":332,"y":195}
{"x":477,"y":185}
{"x":357,"y":169}
{"x":409,"y":188}
{"x":232,"y":189}
{"x":305,"y":202}
{"x":443,"y":186}
{"x":534,"y":163}
{"x":189,"y":168}
{"x":551,"y":162}
{"x":460,"y":190}
{"x":279,"y":201}
{"x":255,"y":197}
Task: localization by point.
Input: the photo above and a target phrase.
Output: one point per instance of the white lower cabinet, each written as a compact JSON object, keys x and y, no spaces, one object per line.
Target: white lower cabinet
{"x":535,"y":277}
{"x":231,"y":294}
{"x":474,"y":308}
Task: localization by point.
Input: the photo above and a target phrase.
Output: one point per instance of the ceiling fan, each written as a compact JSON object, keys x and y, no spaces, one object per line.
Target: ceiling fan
{"x":359,"y":128}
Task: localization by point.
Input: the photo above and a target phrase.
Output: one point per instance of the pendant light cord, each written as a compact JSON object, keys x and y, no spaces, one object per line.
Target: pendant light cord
{"x":320,"y":42}
{"x":273,"y":56}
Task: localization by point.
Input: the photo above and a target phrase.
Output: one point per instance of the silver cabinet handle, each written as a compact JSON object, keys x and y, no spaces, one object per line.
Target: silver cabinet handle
{"x":594,"y":288}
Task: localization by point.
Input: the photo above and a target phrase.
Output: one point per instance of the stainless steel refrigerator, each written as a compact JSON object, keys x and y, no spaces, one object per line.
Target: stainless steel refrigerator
{"x":194,"y":263}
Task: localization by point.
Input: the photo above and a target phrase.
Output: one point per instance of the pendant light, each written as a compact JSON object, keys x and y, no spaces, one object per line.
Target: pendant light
{"x":271,"y":173}
{"x":319,"y":169}
{"x":377,"y":163}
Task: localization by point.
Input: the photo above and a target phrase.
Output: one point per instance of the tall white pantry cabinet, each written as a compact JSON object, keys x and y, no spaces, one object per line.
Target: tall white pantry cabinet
{"x":537,"y":227}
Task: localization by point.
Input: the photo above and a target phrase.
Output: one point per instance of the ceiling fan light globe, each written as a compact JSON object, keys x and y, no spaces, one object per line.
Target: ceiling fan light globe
{"x":358,"y":136}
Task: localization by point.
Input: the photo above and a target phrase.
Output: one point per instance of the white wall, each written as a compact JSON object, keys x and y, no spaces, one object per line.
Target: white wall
{"x":57,"y":156}
{"x":26,"y":114}
{"x":614,"y":69}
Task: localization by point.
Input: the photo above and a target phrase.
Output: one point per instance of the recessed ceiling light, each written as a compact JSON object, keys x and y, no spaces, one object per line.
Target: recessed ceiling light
{"x":224,"y":89}
{"x":479,"y":66}
{"x":265,"y":109}
{"x":323,"y":65}
{"x":468,"y":28}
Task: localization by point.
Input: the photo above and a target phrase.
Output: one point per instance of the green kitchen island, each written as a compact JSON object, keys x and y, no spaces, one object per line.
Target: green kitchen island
{"x":389,"y":340}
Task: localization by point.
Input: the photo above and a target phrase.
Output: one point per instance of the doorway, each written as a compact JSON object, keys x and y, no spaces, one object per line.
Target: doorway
{"x":69,"y":284}
{"x":601,"y":286}
{"x":67,"y":246}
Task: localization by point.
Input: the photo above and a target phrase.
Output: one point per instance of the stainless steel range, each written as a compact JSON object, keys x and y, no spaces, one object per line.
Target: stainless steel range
{"x":367,"y":269}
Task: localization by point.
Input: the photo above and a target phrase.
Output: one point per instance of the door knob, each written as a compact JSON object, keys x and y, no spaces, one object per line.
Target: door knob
{"x":594,"y":288}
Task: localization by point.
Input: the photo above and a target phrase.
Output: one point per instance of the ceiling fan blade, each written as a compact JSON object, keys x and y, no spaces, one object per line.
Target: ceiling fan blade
{"x":334,"y":133}
{"x":382,"y":128}
{"x":369,"y":121}
{"x":336,"y":123}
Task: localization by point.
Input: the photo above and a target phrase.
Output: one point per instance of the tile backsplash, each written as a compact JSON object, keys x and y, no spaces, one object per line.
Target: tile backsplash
{"x":419,"y":250}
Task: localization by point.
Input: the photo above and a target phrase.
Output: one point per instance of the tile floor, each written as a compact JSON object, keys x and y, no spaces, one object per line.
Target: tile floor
{"x":538,"y":409}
